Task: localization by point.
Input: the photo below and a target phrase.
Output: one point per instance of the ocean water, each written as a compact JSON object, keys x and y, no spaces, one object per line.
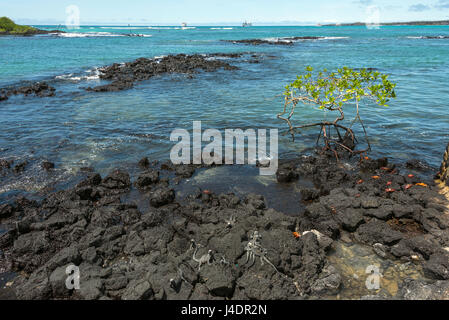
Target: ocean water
{"x":77,"y":128}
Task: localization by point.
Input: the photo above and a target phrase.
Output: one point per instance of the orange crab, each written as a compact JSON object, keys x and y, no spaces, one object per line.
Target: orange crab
{"x":375,"y":177}
{"x":421,"y":184}
{"x":390,"y":190}
{"x":296,"y":235}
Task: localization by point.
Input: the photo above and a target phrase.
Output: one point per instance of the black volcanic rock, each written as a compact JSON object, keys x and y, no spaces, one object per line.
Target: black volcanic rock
{"x":18,"y":168}
{"x":124,"y":75}
{"x":376,"y":231}
{"x":117,"y":179}
{"x":144,"y":162}
{"x":38,"y":89}
{"x":437,"y":267}
{"x":162,"y":196}
{"x":5,"y":164}
{"x":47,"y":165}
{"x":286,"y":41}
{"x":126,"y":249}
{"x":147,"y":178}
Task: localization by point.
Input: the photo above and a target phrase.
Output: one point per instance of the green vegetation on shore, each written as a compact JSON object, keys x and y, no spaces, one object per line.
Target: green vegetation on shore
{"x":7,"y":26}
{"x":335,"y":91}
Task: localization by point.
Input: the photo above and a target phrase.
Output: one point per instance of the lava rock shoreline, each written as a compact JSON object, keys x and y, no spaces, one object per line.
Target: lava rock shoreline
{"x":38,"y":89}
{"x":285,"y":41}
{"x":123,"y":76}
{"x":197,"y":248}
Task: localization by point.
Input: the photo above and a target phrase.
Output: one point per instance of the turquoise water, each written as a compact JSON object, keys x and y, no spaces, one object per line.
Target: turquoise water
{"x":105,"y":130}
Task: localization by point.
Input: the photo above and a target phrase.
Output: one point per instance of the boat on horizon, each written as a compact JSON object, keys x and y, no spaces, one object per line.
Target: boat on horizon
{"x":247,"y":24}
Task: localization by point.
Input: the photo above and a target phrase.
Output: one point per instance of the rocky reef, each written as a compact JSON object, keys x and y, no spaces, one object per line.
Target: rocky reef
{"x":286,"y":41}
{"x":38,"y":89}
{"x":221,"y":246}
{"x":123,"y":76}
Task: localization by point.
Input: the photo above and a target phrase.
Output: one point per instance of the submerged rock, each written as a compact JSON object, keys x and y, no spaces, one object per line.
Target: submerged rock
{"x":286,"y":173}
{"x":328,"y":283}
{"x":18,"y":168}
{"x":421,"y":290}
{"x":144,"y":162}
{"x":5,"y":164}
{"x":38,"y":89}
{"x":48,"y":165}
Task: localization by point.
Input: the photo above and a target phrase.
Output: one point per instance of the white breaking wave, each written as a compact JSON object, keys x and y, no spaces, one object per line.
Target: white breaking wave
{"x":85,"y":35}
{"x":289,"y":39}
{"x":91,"y":74}
{"x":161,"y":28}
{"x":427,"y":37}
{"x":333,"y":38}
{"x":123,"y":28}
{"x":171,"y":28}
{"x":96,"y":34}
{"x":221,"y":28}
{"x":277,"y":40}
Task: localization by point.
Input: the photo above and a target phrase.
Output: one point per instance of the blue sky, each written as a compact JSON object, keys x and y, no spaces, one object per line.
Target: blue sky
{"x":152,"y":12}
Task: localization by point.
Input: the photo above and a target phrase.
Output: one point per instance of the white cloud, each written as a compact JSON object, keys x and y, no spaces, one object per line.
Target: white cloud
{"x":418,"y":7}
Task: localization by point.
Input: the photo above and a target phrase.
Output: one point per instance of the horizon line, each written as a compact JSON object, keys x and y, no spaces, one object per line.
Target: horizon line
{"x":232,"y":24}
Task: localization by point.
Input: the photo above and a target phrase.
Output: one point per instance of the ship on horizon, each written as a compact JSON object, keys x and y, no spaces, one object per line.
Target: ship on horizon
{"x":247,"y":24}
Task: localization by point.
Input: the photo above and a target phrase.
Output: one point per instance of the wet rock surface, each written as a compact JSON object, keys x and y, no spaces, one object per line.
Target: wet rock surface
{"x":221,"y":246}
{"x":123,"y":76}
{"x":38,"y":89}
{"x":287,"y":41}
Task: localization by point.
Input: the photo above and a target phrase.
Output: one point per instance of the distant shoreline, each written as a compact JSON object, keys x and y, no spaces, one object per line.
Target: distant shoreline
{"x":308,"y":24}
{"x":409,"y":23}
{"x":9,"y":28}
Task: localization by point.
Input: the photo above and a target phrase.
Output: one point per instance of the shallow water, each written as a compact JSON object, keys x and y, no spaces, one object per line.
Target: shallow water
{"x":355,"y":262}
{"x":106,"y":130}
{"x":242,"y":180}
